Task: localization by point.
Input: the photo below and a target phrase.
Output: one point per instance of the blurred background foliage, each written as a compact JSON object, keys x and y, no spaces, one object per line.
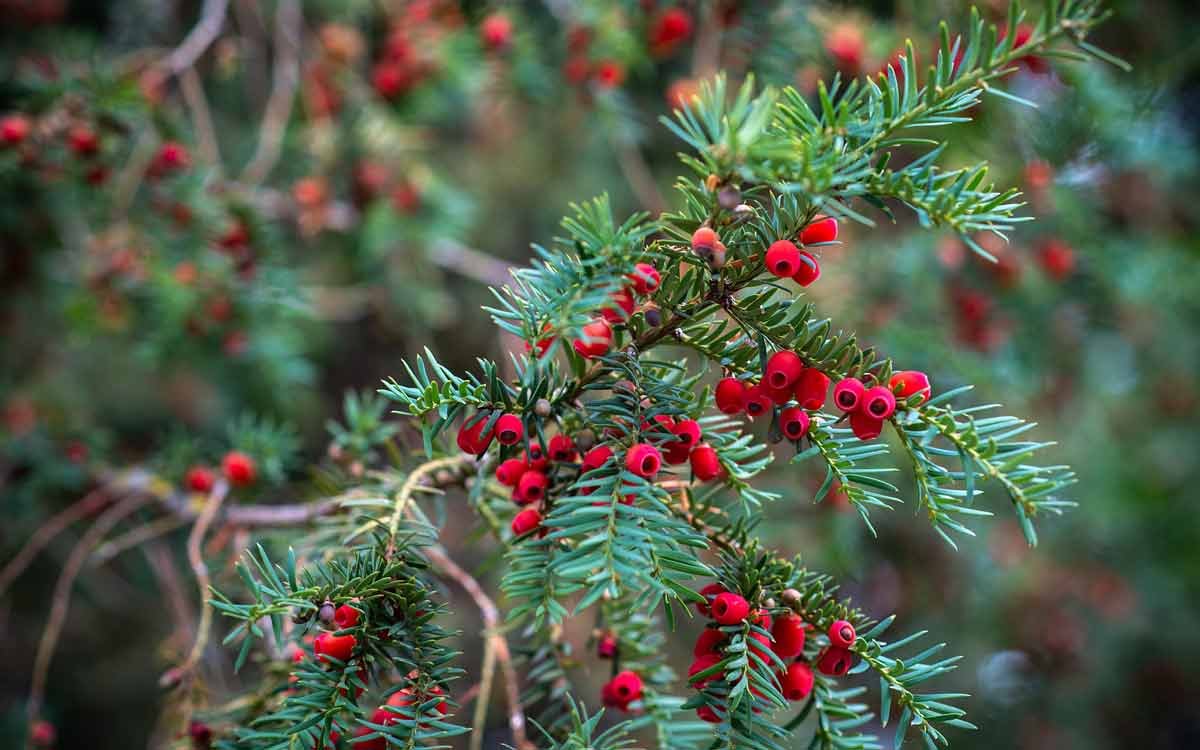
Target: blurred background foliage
{"x":358,"y":172}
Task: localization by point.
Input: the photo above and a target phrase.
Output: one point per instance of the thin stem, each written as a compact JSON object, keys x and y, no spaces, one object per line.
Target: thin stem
{"x":55,"y":525}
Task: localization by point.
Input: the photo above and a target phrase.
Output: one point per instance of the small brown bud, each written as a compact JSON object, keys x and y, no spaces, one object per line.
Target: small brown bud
{"x":585,"y":440}
{"x":791,"y":597}
{"x":325,"y":613}
{"x":335,"y":452}
{"x":729,"y":197}
{"x":743,"y":211}
{"x":357,"y":469}
{"x":712,"y":182}
{"x":653,"y":317}
{"x":443,"y":477}
{"x":542,"y":408}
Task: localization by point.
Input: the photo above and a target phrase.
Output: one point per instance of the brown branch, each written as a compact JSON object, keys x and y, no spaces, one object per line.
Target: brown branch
{"x":499,"y":645}
{"x":55,"y":525}
{"x":198,"y":40}
{"x":288,"y":23}
{"x":61,"y":600}
{"x":469,"y":262}
{"x":206,"y":133}
{"x":200,"y":571}
{"x":136,"y":538}
{"x":638,"y":175}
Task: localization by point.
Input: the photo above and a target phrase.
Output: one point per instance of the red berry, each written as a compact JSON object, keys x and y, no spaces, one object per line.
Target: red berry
{"x":328,"y":645}
{"x":706,"y":465}
{"x":14,"y":129}
{"x":908,"y":383}
{"x":200,"y":733}
{"x":509,"y":472}
{"x":687,"y":433}
{"x":526,"y":521}
{"x":794,"y":422}
{"x":703,"y":662}
{"x":848,"y":394}
{"x":606,"y":647}
{"x":535,"y":458}
{"x":624,"y":307}
{"x":646,"y":278}
{"x":778,"y":396}
{"x":676,"y":453}
{"x":42,"y":733}
{"x":346,"y":617}
{"x":789,"y":634}
{"x":596,"y":339}
{"x":391,"y":79}
{"x":730,"y":396}
{"x":200,"y":479}
{"x":596,"y":457}
{"x":783,"y":369}
{"x":172,"y":156}
{"x":1057,"y":259}
{"x":797,"y":682}
{"x":562,"y":448}
{"x":623,"y":689}
{"x":709,"y":592}
{"x":644,"y":460}
{"x":783,"y":259}
{"x":729,"y":608}
{"x":496,"y":31}
{"x":531,"y":488}
{"x":704,"y":240}
{"x":822,"y":229}
{"x":509,"y":430}
{"x":706,"y":713}
{"x":83,"y":141}
{"x":758,"y":401}
{"x":239,"y":468}
{"x":671,"y":28}
{"x":865,"y":426}
{"x":709,"y":642}
{"x":835,"y":661}
{"x":841,"y":634}
{"x":878,"y":402}
{"x":576,"y":69}
{"x":609,"y":74}
{"x":472,"y":438}
{"x":811,"y":388}
{"x":808,"y":269}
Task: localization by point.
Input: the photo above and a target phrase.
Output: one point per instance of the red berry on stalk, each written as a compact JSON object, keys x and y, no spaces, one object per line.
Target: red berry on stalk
{"x":729,"y":608}
{"x":200,"y":479}
{"x":865,"y":426}
{"x":730,"y":396}
{"x":706,"y":465}
{"x":646,"y":278}
{"x":622,"y":309}
{"x":562,"y":448}
{"x":596,"y":457}
{"x":794,"y":422}
{"x":687,"y":433}
{"x":811,"y":388}
{"x":797,"y":682}
{"x":172,"y":156}
{"x":328,"y":645}
{"x":200,"y":733}
{"x":596,"y":339}
{"x":822,"y":229}
{"x":509,"y":472}
{"x":673,"y":26}
{"x":783,"y":369}
{"x":644,"y":460}
{"x":391,"y":79}
{"x":14,"y":129}
{"x":703,"y":662}
{"x":83,"y":141}
{"x":758,"y":402}
{"x":239,"y":468}
{"x":709,"y":592}
{"x":496,"y":32}
{"x":42,"y":733}
{"x":535,"y":457}
{"x":526,"y":521}
{"x":807,"y":269}
{"x":709,"y":642}
{"x":783,"y":259}
{"x":841,"y":634}
{"x":606,"y":647}
{"x":471,"y":436}
{"x":531,"y":488}
{"x":908,"y":383}
{"x":509,"y":429}
{"x":835,"y":661}
{"x":704,"y":239}
{"x":1057,"y":259}
{"x":878,"y":402}
{"x":789,"y":634}
{"x":346,"y":616}
{"x":848,"y":394}
{"x":623,"y":689}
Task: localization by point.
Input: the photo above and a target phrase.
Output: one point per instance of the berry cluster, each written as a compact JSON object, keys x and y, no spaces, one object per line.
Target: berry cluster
{"x":239,"y":469}
{"x":783,"y":259}
{"x":785,"y":635}
{"x":788,"y":383}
